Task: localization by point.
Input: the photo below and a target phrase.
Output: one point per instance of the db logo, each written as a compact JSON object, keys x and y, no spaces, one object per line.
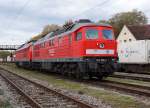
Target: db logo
{"x":101,"y":45}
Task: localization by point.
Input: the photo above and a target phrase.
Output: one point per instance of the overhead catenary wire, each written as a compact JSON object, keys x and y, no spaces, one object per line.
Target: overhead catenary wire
{"x":26,"y":3}
{"x":99,"y":4}
{"x":16,"y":17}
{"x":19,"y":13}
{"x":22,"y":8}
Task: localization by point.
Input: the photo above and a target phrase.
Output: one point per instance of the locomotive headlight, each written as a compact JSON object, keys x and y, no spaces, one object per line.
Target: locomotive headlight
{"x":101,"y":45}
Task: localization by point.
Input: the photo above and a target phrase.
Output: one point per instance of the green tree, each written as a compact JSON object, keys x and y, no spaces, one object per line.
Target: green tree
{"x":133,"y":17}
{"x":127,"y":18}
{"x":4,"y":54}
{"x":47,"y":29}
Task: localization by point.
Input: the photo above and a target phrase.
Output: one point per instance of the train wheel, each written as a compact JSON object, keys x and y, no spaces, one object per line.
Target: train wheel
{"x":100,"y":77}
{"x":79,"y":74}
{"x":112,"y":69}
{"x":63,"y":71}
{"x":90,"y":76}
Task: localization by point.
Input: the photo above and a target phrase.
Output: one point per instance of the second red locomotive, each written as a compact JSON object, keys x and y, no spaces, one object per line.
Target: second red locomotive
{"x":83,"y":49}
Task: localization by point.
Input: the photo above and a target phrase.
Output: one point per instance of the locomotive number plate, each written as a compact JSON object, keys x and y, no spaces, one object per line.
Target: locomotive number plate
{"x":99,"y":51}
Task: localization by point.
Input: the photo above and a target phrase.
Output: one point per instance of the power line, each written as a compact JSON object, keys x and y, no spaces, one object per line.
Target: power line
{"x":19,"y":13}
{"x":22,"y":8}
{"x":100,"y":4}
{"x":17,"y":16}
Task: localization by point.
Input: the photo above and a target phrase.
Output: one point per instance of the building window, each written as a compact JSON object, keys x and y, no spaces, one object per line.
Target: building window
{"x":78,"y":36}
{"x":125,"y":33}
{"x":130,"y":40}
{"x":125,"y":40}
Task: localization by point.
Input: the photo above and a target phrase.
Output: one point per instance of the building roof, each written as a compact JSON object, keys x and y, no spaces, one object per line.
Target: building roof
{"x":140,"y":32}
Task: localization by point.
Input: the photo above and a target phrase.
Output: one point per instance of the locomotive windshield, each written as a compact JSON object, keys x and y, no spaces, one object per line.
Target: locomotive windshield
{"x":92,"y":34}
{"x":107,"y":34}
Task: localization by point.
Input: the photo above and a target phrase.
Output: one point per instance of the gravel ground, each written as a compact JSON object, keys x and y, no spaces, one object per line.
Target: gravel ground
{"x":145,"y":100}
{"x":93,"y":101}
{"x":12,"y":96}
{"x":80,"y":96}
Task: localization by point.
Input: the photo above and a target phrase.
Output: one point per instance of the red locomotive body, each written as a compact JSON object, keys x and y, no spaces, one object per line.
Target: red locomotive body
{"x":77,"y":44}
{"x":23,"y":55}
{"x":82,"y":49}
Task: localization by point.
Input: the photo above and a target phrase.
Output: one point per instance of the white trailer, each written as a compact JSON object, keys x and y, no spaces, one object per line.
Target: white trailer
{"x":135,"y":55}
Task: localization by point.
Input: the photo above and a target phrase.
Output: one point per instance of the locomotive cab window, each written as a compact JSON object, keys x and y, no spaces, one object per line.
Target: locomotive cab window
{"x":78,"y":36}
{"x":107,"y":34}
{"x":91,"y":34}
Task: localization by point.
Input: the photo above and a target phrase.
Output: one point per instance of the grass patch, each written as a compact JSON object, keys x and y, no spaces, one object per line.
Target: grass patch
{"x":116,"y":100}
{"x":5,"y":104}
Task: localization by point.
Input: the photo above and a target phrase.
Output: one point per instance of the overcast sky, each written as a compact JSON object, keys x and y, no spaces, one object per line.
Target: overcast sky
{"x":22,"y":19}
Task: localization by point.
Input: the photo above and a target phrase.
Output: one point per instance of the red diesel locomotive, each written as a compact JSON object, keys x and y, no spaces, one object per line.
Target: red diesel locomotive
{"x":83,"y":49}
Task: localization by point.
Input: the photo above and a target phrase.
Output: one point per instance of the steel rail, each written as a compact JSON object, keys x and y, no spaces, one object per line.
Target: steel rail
{"x":79,"y":103}
{"x":130,"y":88}
{"x":146,"y":73}
{"x":127,"y":84}
{"x":132,"y":77}
{"x":21,"y":92}
{"x":125,"y":87}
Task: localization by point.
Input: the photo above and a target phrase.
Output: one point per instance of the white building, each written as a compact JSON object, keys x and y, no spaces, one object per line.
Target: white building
{"x":9,"y":59}
{"x":133,"y":33}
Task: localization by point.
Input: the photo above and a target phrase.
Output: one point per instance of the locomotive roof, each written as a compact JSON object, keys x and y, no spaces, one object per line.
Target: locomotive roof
{"x":68,"y":30}
{"x":44,"y":38}
{"x":74,"y":27}
{"x":23,"y":46}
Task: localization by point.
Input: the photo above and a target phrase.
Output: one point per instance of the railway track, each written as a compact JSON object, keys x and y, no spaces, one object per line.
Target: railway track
{"x":125,"y":87}
{"x":133,"y":76}
{"x":142,"y":73}
{"x":20,"y":101}
{"x":39,"y":96}
{"x":114,"y":85}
